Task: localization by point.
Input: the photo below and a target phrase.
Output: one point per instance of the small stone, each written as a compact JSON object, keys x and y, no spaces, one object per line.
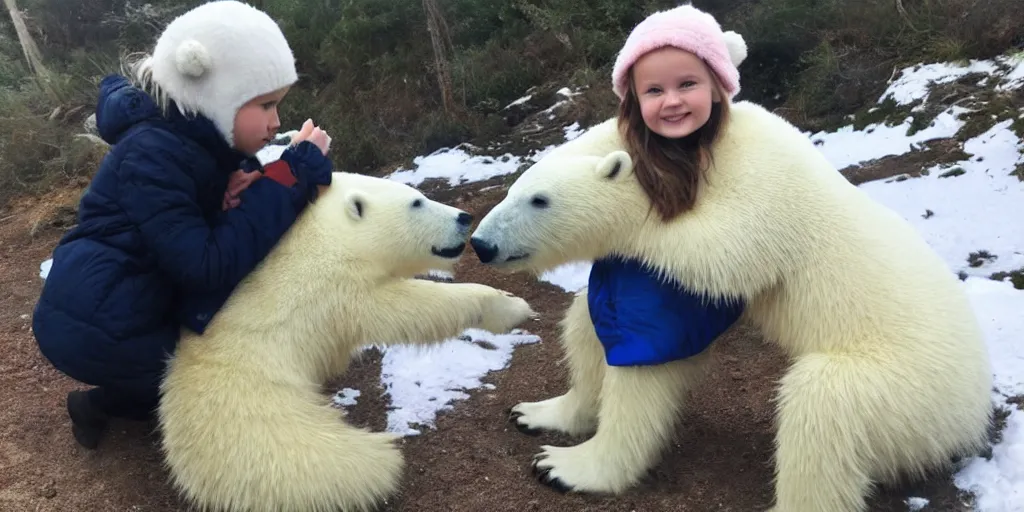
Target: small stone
{"x":49,"y":490}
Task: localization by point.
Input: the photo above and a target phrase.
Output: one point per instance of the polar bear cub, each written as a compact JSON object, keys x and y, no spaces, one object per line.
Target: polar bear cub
{"x":245,"y":425}
{"x":889,"y":373}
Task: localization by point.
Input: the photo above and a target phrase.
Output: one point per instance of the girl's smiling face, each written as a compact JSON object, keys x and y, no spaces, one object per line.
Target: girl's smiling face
{"x":675,"y":90}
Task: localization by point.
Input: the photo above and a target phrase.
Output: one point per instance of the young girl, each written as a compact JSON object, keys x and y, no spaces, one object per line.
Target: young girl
{"x":157,"y":246}
{"x":674,"y":78}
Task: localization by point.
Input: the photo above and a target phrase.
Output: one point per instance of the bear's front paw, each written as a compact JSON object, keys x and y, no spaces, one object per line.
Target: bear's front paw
{"x":581,"y":468}
{"x":504,"y":311}
{"x":560,"y":414}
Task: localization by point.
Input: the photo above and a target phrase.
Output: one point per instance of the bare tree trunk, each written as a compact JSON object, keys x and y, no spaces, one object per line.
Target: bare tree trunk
{"x":440,"y":38}
{"x":31,"y":51}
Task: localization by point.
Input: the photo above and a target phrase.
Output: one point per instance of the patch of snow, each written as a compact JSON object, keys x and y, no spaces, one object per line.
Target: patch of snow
{"x":971,"y":212}
{"x":346,"y":397}
{"x":571,"y":277}
{"x":457,"y":166}
{"x":847,"y":146}
{"x":524,"y":99}
{"x":998,"y":307}
{"x":573,"y":130}
{"x":535,"y":157}
{"x":1014,"y":79}
{"x":44,"y":268}
{"x":914,"y":82}
{"x":568,"y":93}
{"x":915,"y":504}
{"x":423,"y":380}
{"x":998,"y":484}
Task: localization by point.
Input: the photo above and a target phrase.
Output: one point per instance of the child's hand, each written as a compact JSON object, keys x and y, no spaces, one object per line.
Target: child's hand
{"x":237,"y":182}
{"x":313,"y":134}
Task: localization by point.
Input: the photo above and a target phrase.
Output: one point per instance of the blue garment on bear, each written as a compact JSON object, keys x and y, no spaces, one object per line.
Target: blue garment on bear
{"x":642,"y":319}
{"x":153,"y":249}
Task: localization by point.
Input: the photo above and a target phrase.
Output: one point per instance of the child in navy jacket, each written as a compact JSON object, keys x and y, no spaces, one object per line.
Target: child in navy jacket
{"x":155,"y":250}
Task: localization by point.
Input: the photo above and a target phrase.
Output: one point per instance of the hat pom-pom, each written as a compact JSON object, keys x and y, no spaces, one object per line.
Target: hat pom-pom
{"x":192,"y":59}
{"x":737,"y":47}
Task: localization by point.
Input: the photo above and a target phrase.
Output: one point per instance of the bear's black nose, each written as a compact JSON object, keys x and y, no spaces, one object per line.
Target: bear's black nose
{"x":486,"y":251}
{"x":464,"y":219}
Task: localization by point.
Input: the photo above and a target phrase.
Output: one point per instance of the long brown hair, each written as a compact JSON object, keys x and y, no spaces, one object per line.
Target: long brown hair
{"x":671,"y":171}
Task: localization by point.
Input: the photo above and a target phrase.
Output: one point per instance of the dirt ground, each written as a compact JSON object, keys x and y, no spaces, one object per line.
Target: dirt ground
{"x":473,"y":461}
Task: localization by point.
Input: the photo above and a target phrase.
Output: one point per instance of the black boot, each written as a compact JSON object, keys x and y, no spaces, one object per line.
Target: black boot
{"x":88,"y":422}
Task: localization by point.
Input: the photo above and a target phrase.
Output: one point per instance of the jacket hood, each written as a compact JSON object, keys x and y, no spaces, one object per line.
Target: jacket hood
{"x":121,"y":106}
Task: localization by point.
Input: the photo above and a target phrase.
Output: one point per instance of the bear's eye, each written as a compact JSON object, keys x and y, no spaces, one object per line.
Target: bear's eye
{"x":539,"y":202}
{"x":417,"y":203}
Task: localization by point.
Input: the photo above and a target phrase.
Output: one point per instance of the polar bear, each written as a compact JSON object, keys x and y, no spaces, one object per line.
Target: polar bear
{"x":244,"y":423}
{"x":889,"y":374}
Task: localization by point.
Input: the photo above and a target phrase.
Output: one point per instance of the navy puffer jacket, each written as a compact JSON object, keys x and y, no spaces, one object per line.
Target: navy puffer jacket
{"x":153,"y":250}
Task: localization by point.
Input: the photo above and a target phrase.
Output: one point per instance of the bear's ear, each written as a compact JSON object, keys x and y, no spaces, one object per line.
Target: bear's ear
{"x":615,"y":166}
{"x":355,"y":204}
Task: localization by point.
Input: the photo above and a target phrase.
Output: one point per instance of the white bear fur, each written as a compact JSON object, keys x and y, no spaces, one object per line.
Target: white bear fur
{"x":889,"y":371}
{"x":245,"y":425}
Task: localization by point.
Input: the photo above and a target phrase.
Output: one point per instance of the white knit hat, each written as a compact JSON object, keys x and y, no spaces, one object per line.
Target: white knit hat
{"x":218,"y":56}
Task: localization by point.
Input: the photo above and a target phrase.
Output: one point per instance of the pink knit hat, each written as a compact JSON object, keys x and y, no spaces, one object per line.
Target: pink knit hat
{"x":687,"y":28}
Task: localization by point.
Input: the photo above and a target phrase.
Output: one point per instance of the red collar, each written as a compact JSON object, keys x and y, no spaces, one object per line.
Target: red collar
{"x":280,"y":172}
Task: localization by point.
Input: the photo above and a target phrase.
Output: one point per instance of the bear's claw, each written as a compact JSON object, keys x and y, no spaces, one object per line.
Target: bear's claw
{"x":544,"y":475}
{"x":513,"y":417}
